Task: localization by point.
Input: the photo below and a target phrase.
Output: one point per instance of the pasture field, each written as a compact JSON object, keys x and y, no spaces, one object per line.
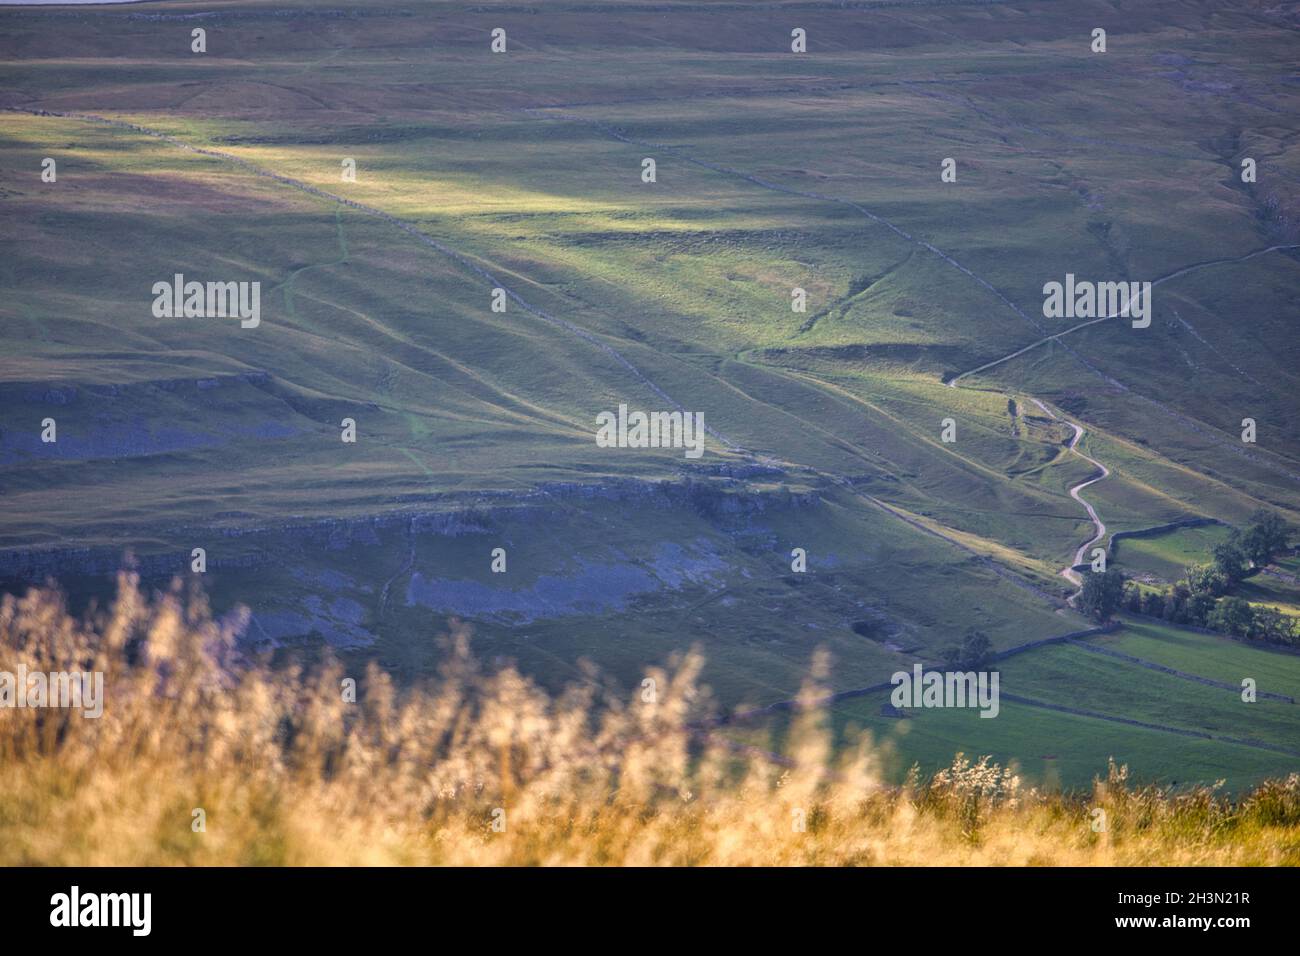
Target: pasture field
{"x":1208,"y":655}
{"x":1067,"y":710}
{"x":1050,"y":750}
{"x":1166,"y":556}
{"x":1264,"y":589}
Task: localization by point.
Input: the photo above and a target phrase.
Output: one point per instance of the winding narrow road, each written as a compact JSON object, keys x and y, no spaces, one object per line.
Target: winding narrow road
{"x":1068,"y":572}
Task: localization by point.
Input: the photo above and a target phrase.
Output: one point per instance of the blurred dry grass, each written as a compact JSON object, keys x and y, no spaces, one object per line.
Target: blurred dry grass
{"x":288,"y":772}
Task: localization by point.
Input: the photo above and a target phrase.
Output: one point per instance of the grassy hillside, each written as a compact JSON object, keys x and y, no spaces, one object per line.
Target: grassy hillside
{"x":775,"y":171}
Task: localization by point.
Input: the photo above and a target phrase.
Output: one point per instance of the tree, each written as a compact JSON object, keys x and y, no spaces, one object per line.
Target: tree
{"x":971,"y":654}
{"x":1176,"y":603}
{"x":1232,"y":615}
{"x":1265,"y":538}
{"x":1198,"y":609}
{"x":1205,"y":579}
{"x":1272,"y":625}
{"x":1153,"y":603}
{"x":1102,"y":593}
{"x":1230,"y":560}
{"x":1132,"y":598}
{"x":1255,"y":546}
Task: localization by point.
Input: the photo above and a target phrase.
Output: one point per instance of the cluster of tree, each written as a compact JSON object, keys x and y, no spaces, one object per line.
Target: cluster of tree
{"x":1229,"y":615}
{"x":1264,"y":538}
{"x":1198,"y":599}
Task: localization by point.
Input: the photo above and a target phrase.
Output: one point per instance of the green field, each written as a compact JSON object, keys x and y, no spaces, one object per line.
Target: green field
{"x":775,"y":171}
{"x":1077,"y":709}
{"x":1164,"y":557}
{"x":1208,"y":655}
{"x":1055,"y":750}
{"x":1271,"y":591}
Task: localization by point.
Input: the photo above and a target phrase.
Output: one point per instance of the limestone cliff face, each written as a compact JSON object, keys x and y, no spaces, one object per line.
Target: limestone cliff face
{"x":724,"y":492}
